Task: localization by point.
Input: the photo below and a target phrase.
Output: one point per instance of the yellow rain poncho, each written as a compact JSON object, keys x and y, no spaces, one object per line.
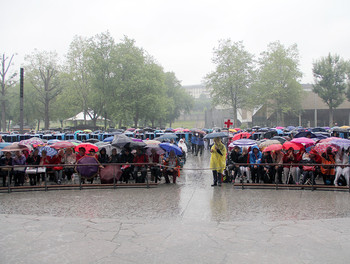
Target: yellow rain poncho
{"x":217,"y":161}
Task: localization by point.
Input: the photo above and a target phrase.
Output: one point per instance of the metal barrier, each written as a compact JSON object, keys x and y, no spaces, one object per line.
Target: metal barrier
{"x":243,"y":185}
{"x":80,"y":185}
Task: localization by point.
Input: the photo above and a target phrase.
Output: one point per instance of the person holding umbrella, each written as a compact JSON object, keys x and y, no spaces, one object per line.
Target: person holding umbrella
{"x":328,"y":172}
{"x":255,"y":159}
{"x":341,"y":159}
{"x":217,"y":160}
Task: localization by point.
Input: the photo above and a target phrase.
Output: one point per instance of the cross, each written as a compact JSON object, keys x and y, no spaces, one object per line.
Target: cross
{"x":228,"y":123}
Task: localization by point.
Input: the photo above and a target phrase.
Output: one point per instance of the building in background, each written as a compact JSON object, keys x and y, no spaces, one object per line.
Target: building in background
{"x":313,"y":113}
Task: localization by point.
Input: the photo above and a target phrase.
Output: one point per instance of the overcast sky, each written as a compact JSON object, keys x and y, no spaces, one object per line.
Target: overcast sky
{"x":180,"y":34}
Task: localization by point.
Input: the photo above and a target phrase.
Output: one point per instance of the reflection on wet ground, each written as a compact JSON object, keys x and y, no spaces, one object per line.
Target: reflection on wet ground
{"x":190,"y":222}
{"x":192,"y":198}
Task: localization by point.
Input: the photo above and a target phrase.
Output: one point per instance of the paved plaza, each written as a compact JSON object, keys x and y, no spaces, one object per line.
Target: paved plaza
{"x":190,"y":222}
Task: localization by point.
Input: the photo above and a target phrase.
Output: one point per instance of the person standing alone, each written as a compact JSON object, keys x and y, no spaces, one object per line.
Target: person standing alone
{"x":217,"y":161}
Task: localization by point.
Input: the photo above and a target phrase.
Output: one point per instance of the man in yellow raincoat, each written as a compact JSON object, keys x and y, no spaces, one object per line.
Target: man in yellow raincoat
{"x":217,"y":160}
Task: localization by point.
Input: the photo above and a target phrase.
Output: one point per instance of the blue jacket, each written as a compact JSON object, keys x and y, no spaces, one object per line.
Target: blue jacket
{"x":255,"y":159}
{"x":194,"y":140}
{"x":200,"y":141}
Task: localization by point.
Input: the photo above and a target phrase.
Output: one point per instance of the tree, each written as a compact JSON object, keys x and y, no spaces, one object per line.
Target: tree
{"x":43,"y":71}
{"x":330,"y":81}
{"x":79,"y":75}
{"x":233,"y":75}
{"x":6,"y":63}
{"x":277,"y":84}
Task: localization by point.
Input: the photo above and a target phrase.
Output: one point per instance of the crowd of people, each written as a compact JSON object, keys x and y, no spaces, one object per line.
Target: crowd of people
{"x":134,"y":165}
{"x":288,"y":167}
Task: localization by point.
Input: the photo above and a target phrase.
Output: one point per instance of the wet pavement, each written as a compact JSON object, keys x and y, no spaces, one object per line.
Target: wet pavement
{"x":190,"y":222}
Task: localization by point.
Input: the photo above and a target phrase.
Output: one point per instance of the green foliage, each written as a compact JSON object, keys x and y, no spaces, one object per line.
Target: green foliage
{"x":233,"y":75}
{"x":278,"y":80}
{"x":330,"y":81}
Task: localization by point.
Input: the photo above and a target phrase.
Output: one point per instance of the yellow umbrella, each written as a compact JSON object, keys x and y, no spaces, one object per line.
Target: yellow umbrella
{"x":345,"y":127}
{"x":88,"y":131}
{"x":232,"y":130}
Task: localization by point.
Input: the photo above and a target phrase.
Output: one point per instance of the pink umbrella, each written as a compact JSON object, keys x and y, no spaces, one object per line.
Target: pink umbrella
{"x":307,"y":142}
{"x":109,"y":172}
{"x":280,"y":127}
{"x":328,"y":139}
{"x":62,"y":144}
{"x":273,"y":147}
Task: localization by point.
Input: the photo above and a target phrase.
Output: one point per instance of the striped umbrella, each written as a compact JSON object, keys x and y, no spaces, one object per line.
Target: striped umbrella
{"x":49,"y":151}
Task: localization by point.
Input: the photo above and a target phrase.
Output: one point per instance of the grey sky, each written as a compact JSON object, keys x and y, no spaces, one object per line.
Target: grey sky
{"x":180,"y":34}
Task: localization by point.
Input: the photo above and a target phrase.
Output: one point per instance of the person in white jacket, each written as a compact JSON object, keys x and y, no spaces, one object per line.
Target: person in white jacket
{"x":342,"y":158}
{"x":183,"y":147}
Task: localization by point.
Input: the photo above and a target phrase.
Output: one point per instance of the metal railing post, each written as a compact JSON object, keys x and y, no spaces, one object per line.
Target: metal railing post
{"x":9,"y":182}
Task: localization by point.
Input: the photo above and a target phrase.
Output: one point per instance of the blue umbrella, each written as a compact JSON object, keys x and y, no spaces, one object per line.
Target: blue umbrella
{"x":108,"y":139}
{"x":216,"y":135}
{"x":49,"y":151}
{"x":169,"y":147}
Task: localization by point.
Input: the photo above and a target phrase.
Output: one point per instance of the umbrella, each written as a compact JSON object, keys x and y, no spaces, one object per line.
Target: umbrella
{"x":215,"y":135}
{"x":273,"y":147}
{"x":341,"y":143}
{"x":158,"y":149}
{"x":49,"y":151}
{"x":109,"y":172}
{"x":62,"y":144}
{"x":280,"y":139}
{"x":35,"y":141}
{"x":307,"y":142}
{"x":322,"y":147}
{"x":15,"y":147}
{"x":242,"y":135}
{"x":108,"y":139}
{"x":53,"y":141}
{"x":151,"y":142}
{"x":169,"y":147}
{"x":280,"y":127}
{"x":296,"y":146}
{"x":345,"y":127}
{"x":268,"y":142}
{"x":87,"y":171}
{"x":120,"y":141}
{"x":108,"y":147}
{"x":328,"y":139}
{"x":92,"y":140}
{"x":136,"y":144}
{"x":87,"y":146}
{"x":167,"y":136}
{"x":87,"y":131}
{"x":243,"y":143}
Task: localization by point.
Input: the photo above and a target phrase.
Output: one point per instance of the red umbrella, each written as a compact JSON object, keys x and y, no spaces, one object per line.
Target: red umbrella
{"x":241,"y":135}
{"x":62,"y":144}
{"x":273,"y":147}
{"x":322,"y":147}
{"x":296,"y":146}
{"x":87,"y":146}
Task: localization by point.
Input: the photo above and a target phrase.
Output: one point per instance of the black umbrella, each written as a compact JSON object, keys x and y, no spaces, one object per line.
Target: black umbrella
{"x":121,"y":140}
{"x":216,"y":135}
{"x":280,"y":139}
{"x":167,"y":136}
